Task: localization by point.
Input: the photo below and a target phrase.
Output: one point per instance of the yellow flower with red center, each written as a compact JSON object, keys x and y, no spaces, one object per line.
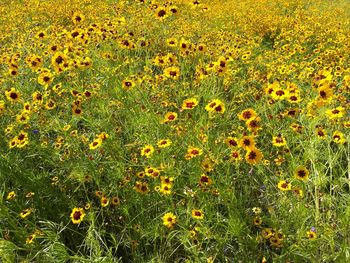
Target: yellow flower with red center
{"x":247,"y":114}
{"x":197,"y":214}
{"x":164,"y":143}
{"x":169,"y":117}
{"x":77,"y":215}
{"x":169,"y":220}
{"x":253,"y":156}
{"x":278,"y":141}
{"x":215,"y":106}
{"x":284,"y":185}
{"x":147,"y":151}
{"x":301,"y":173}
{"x":189,"y":104}
{"x":104,"y":201}
{"x":193,"y":152}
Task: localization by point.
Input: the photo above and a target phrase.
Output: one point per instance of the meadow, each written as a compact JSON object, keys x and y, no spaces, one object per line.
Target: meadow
{"x":174,"y":131}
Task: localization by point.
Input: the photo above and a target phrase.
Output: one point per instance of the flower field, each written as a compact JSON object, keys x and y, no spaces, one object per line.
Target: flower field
{"x":175,"y":131}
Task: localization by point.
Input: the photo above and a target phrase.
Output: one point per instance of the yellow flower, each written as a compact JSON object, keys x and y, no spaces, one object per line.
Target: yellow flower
{"x":147,"y":151}
{"x":172,"y":72}
{"x":338,"y":137}
{"x":215,"y":106}
{"x":278,"y":141}
{"x":247,"y":142}
{"x":253,"y":156}
{"x":247,"y":114}
{"x":11,"y":195}
{"x":336,"y":113}
{"x":95,"y":144}
{"x":169,"y":117}
{"x":311,"y":235}
{"x":197,"y":214}
{"x":30,"y":239}
{"x":104,"y":201}
{"x":12,"y":95}
{"x":193,"y":152}
{"x":25,"y":213}
{"x":169,"y":220}
{"x":284,"y":185}
{"x":189,"y":104}
{"x":301,"y":173}
{"x":77,"y":215}
{"x":164,"y":143}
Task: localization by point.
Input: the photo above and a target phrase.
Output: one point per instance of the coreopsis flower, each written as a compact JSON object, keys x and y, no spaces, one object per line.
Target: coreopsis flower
{"x":278,"y":141}
{"x":164,"y":143}
{"x":77,"y":215}
{"x":189,"y":104}
{"x":253,"y":156}
{"x":11,"y":195}
{"x":147,"y":151}
{"x":95,"y":144}
{"x":193,"y":152}
{"x":169,"y":220}
{"x":215,"y":106}
{"x":284,"y":185}
{"x":197,"y":214}
{"x":301,"y":173}
{"x":170,"y":117}
{"x":247,"y":142}
{"x":247,"y":114}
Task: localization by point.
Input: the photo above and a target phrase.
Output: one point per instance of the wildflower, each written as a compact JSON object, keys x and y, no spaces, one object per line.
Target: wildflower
{"x":169,"y":220}
{"x":193,"y":152}
{"x":169,"y":117}
{"x":12,"y":95}
{"x":165,"y":189}
{"x":172,"y":72}
{"x":77,"y":18}
{"x":95,"y":144}
{"x":11,"y":195}
{"x":161,"y":13}
{"x":128,"y":84}
{"x":25,"y":213}
{"x":205,"y":180}
{"x":338,"y":137}
{"x":45,"y":78}
{"x":284,"y":185}
{"x":231,"y":142}
{"x":197,"y":214}
{"x":279,"y":94}
{"x":104,"y":201}
{"x":253,"y":124}
{"x":301,"y":173}
{"x":253,"y":156}
{"x":257,"y":221}
{"x":141,"y":187}
{"x":256,"y":210}
{"x":172,"y":42}
{"x":278,"y":141}
{"x":311,"y":235}
{"x":235,"y":156}
{"x":77,"y":215}
{"x":247,"y":142}
{"x":298,"y":192}
{"x":30,"y":239}
{"x":164,"y":143}
{"x":189,"y":104}
{"x":215,"y":106}
{"x":147,"y":151}
{"x":321,"y":132}
{"x":336,"y":113}
{"x":247,"y":114}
